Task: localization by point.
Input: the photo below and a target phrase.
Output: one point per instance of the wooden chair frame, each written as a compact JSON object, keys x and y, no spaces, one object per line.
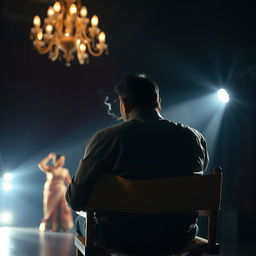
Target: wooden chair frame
{"x":165,"y":195}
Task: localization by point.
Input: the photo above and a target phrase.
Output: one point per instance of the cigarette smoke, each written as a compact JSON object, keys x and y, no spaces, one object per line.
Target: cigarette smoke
{"x":110,"y":112}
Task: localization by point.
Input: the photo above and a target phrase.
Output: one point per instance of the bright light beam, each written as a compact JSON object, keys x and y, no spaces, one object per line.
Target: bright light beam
{"x":204,"y":113}
{"x":196,"y":112}
{"x":211,"y":131}
{"x":223,"y":96}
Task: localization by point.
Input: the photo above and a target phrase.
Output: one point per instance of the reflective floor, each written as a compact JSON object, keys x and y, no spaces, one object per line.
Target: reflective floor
{"x":30,"y":242}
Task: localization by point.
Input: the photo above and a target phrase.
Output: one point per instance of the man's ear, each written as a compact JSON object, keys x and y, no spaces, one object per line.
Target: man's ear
{"x":127,"y":105}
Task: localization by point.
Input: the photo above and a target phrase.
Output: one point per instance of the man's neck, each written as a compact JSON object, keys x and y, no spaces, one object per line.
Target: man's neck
{"x":145,"y":114}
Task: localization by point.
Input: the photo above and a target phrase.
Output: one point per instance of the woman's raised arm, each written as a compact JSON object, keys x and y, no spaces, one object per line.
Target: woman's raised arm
{"x":43,"y":164}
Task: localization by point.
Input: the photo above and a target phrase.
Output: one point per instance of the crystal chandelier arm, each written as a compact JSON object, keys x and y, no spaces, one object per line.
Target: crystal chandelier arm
{"x":92,"y":52}
{"x":80,"y":33}
{"x":44,"y":50}
{"x":53,"y":55}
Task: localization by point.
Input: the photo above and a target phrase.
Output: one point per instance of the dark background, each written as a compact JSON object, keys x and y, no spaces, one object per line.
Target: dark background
{"x":188,"y":47}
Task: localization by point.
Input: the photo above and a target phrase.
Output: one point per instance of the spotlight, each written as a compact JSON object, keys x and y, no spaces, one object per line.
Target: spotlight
{"x":6,"y":217}
{"x":223,"y":95}
{"x":7,"y":186}
{"x":7,"y":176}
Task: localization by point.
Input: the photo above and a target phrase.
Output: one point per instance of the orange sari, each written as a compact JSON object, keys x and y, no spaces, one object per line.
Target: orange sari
{"x":57,"y":214}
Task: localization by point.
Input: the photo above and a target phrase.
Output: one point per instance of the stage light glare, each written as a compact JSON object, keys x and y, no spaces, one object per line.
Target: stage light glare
{"x":223,"y":95}
{"x":7,"y":176}
{"x":5,"y":241}
{"x":6,"y":217}
{"x":7,"y":186}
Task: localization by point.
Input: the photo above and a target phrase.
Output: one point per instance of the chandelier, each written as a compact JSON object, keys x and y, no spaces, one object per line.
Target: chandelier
{"x":67,"y":31}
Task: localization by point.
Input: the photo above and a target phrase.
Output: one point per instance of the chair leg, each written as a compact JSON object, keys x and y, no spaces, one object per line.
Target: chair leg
{"x":78,"y":253}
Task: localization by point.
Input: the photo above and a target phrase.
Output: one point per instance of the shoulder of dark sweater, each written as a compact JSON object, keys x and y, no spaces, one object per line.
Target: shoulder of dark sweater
{"x":113,"y":131}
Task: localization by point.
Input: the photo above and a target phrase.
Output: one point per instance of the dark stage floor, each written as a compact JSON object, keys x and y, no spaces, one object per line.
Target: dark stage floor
{"x":30,"y":242}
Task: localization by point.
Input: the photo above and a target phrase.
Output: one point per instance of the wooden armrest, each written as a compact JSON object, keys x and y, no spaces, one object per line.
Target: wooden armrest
{"x":80,"y":243}
{"x":199,"y":239}
{"x":204,"y":213}
{"x":214,"y":249}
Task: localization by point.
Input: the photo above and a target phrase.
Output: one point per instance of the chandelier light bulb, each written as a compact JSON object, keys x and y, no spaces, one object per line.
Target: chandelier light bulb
{"x":40,"y":35}
{"x":37,"y":21}
{"x":78,"y":41}
{"x":95,"y":20}
{"x":73,"y":9}
{"x":67,"y":34}
{"x":102,"y":37}
{"x":49,"y":29}
{"x":83,"y":11}
{"x":57,"y":7}
{"x":50,"y":11}
{"x":82,"y":47}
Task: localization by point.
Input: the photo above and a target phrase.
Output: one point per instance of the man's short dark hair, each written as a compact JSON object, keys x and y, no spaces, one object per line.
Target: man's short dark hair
{"x":139,"y":90}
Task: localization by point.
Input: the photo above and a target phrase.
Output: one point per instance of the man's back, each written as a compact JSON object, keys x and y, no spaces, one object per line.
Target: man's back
{"x":151,"y":147}
{"x":145,"y":147}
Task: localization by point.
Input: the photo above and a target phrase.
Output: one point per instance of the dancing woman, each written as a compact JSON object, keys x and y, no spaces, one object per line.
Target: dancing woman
{"x":57,"y":215}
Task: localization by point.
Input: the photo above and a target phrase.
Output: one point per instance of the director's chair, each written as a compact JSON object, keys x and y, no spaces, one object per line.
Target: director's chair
{"x":164,"y":195}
